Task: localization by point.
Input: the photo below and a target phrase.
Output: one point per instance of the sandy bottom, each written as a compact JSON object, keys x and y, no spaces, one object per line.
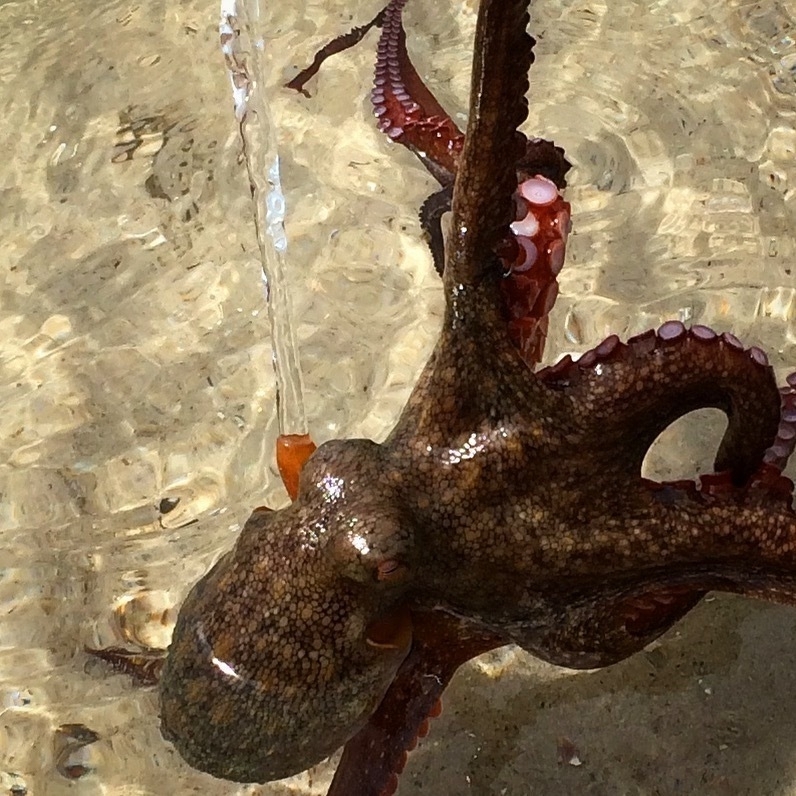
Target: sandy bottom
{"x":138,"y":421}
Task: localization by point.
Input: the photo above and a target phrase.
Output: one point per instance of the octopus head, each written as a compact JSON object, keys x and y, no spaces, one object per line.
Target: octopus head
{"x":286,"y":647}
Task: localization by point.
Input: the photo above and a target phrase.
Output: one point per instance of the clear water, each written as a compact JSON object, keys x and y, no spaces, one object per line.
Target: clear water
{"x":135,"y":359}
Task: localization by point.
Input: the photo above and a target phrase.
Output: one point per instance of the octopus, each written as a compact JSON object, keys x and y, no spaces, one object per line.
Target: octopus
{"x":507,"y":505}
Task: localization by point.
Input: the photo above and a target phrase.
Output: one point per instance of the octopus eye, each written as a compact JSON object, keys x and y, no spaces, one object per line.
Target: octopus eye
{"x":391,"y":570}
{"x":372,"y":557}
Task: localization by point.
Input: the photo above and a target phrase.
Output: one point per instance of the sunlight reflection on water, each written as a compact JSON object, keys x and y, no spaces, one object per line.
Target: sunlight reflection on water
{"x":138,"y":418}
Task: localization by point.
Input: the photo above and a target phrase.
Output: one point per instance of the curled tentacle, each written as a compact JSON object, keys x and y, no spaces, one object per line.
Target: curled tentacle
{"x":539,"y":236}
{"x":628,"y":393}
{"x":407,"y":111}
{"x":783,"y":445}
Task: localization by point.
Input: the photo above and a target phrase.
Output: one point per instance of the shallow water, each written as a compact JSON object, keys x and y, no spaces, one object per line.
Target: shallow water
{"x":138,"y":419}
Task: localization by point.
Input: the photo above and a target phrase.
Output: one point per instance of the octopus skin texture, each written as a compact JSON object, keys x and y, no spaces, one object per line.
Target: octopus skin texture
{"x":506,"y":506}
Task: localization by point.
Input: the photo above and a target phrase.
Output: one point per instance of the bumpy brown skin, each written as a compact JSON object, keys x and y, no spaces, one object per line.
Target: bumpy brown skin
{"x":506,"y":505}
{"x":289,"y":610}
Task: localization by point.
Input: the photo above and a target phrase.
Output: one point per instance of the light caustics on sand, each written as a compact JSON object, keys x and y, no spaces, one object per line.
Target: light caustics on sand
{"x":243,"y":47}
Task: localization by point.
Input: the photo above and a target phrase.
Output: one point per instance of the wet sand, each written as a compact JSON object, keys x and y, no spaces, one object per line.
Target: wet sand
{"x":138,"y":418}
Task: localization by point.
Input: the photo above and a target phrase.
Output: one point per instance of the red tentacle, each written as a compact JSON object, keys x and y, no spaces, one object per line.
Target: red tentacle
{"x":407,"y":111}
{"x":409,"y":114}
{"x":373,"y":759}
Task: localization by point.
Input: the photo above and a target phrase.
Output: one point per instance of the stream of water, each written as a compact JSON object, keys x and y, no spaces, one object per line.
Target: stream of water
{"x":139,"y":410}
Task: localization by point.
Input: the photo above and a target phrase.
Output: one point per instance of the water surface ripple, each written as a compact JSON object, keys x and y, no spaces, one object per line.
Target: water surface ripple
{"x":137,"y":418}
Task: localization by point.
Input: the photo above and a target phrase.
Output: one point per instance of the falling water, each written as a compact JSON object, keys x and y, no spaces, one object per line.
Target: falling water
{"x":242,"y":45}
{"x":135,"y":400}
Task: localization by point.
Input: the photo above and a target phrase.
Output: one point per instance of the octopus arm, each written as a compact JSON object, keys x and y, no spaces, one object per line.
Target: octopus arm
{"x":337,"y":45}
{"x":373,"y":759}
{"x":649,"y":567}
{"x":487,"y":178}
{"x":407,"y":111}
{"x":431,"y":213}
{"x":630,"y":392}
{"x":712,"y":535}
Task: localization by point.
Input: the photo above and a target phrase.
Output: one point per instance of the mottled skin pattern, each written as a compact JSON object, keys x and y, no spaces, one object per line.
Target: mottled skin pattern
{"x":506,"y":506}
